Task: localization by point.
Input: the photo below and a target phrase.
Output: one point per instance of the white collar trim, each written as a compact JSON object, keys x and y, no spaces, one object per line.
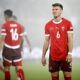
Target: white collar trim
{"x":57,"y":22}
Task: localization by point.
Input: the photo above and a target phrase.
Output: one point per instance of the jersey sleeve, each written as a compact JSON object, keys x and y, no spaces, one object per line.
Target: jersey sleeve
{"x":70,"y":28}
{"x":47,"y":33}
{"x":3,"y":30}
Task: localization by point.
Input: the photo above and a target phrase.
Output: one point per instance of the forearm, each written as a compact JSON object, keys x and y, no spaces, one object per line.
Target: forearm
{"x":1,"y":43}
{"x":70,"y":44}
{"x":70,"y":48}
{"x":27,"y":40}
{"x":45,"y":48}
{"x":2,"y":38}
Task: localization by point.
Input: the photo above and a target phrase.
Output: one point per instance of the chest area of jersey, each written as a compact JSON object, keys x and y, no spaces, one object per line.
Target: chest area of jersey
{"x":58,"y":31}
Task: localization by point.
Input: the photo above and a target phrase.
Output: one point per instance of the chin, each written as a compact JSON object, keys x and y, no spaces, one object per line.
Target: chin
{"x":55,"y":16}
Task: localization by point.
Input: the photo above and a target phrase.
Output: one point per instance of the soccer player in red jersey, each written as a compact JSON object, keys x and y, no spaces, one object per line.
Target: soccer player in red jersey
{"x":12,"y":33}
{"x":59,"y":34}
{"x":25,"y":37}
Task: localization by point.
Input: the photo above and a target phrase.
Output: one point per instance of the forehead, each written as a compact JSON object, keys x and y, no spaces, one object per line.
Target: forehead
{"x":56,"y":7}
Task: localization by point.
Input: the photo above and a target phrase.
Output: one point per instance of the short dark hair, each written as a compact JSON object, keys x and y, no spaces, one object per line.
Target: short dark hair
{"x":8,"y":13}
{"x":58,"y":4}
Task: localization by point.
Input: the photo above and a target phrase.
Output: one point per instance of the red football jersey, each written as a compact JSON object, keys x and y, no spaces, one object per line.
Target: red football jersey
{"x":13,"y":32}
{"x":58,"y":33}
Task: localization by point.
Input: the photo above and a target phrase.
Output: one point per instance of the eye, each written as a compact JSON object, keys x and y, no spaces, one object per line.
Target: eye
{"x":56,"y":9}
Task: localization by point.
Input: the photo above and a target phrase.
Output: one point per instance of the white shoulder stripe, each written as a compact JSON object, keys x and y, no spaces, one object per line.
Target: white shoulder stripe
{"x":3,"y":34}
{"x":3,"y":30}
{"x":47,"y":34}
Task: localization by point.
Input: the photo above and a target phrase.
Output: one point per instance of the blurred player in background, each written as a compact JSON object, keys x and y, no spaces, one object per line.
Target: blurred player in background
{"x":59,"y":34}
{"x":25,"y":37}
{"x":12,"y":33}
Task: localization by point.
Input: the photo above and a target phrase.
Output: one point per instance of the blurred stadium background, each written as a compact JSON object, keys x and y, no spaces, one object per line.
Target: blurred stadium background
{"x":33,"y":14}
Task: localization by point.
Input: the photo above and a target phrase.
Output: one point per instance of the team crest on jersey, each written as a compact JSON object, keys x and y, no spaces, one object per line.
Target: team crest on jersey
{"x":56,"y":27}
{"x":63,"y":28}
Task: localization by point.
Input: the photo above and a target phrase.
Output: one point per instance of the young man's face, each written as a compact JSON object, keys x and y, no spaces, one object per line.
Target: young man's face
{"x":56,"y":11}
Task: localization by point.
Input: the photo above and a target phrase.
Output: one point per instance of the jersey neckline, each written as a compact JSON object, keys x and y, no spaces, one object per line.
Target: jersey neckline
{"x":57,"y":22}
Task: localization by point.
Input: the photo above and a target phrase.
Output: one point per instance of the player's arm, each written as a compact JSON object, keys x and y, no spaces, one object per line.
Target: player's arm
{"x":70,"y":41}
{"x":2,"y":39}
{"x":24,"y":36}
{"x":3,"y":35}
{"x":70,"y":45}
{"x":27,"y":40}
{"x":45,"y":48}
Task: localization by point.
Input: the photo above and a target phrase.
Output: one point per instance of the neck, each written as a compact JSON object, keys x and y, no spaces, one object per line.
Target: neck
{"x":57,"y":19}
{"x":9,"y":19}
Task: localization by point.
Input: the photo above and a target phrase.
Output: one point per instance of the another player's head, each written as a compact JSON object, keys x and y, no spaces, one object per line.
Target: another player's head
{"x":8,"y":14}
{"x":57,"y":9}
{"x":14,"y":18}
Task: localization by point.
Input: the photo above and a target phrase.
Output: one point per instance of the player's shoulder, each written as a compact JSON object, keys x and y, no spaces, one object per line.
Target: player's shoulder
{"x":4,"y":24}
{"x":66,"y":20}
{"x":15,"y":22}
{"x":8,"y":23}
{"x":48,"y":23}
{"x":19,"y":24}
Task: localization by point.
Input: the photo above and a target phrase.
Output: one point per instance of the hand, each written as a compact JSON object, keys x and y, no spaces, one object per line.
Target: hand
{"x":43,"y":61}
{"x":69,"y":58}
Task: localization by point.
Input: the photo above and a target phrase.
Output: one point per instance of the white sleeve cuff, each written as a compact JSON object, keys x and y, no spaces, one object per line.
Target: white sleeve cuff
{"x":47,"y":34}
{"x":3,"y":34}
{"x":70,"y":53}
{"x":69,"y":31}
